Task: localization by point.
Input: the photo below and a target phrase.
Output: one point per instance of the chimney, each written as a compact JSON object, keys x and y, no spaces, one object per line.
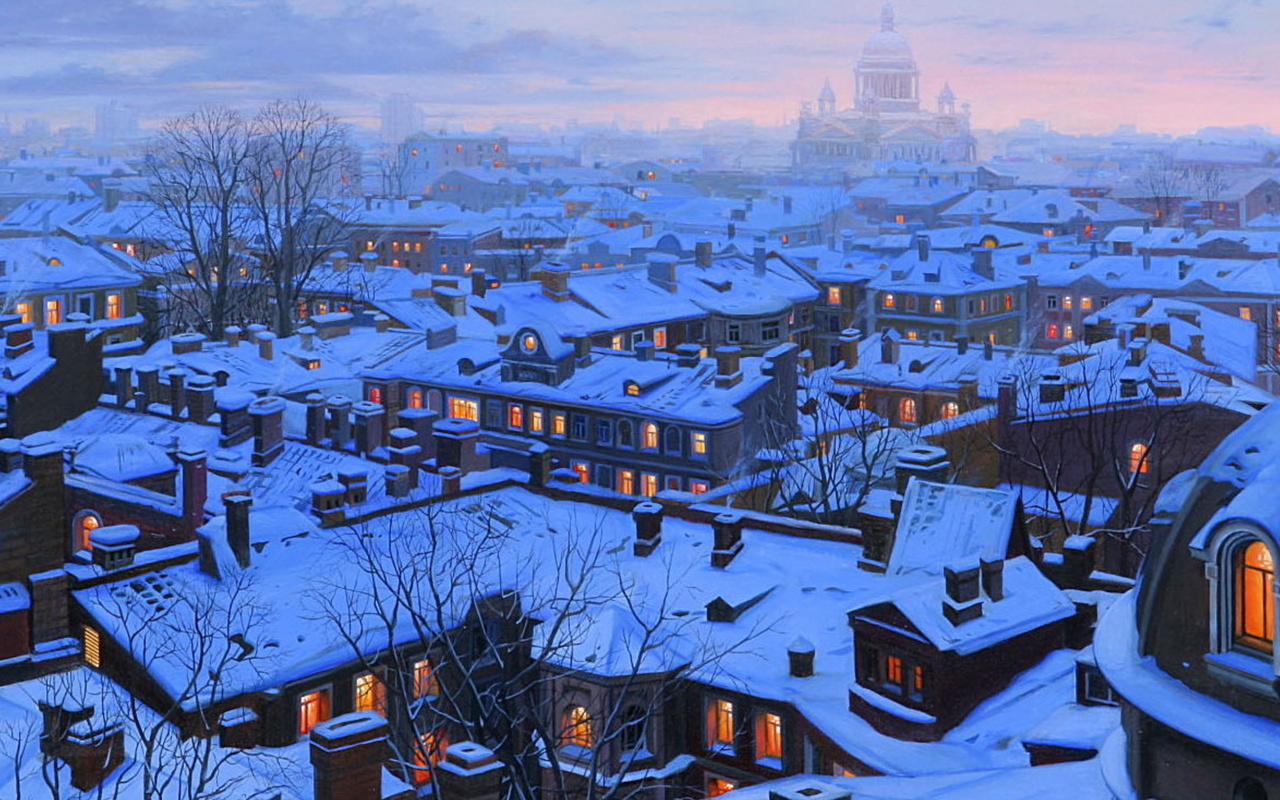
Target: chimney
{"x":369,"y":262}
{"x":663,"y":271}
{"x":113,"y":546}
{"x":962,"y":345}
{"x":688,"y":355}
{"x":340,"y":261}
{"x":984,"y":262}
{"x":183,"y":343}
{"x":1137,"y":352}
{"x":993,"y":578}
{"x":1053,"y":389}
{"x":926,"y":462}
{"x":232,"y":334}
{"x":368,"y":202}
{"x":177,"y":392}
{"x":644,"y":350}
{"x":355,"y":486}
{"x":1078,"y":561}
{"x":800,"y":657}
{"x":1196,"y":348}
{"x":266,"y":345}
{"x":123,"y":385}
{"x":370,"y":420}
{"x":267,"y":415}
{"x":456,"y":443}
{"x":18,"y":339}
{"x":237,"y":503}
{"x":470,"y":772}
{"x":195,"y":485}
{"x":648,"y":520}
{"x":728,"y":367}
{"x":786,"y":204}
{"x":347,"y":755}
{"x":988,"y":350}
{"x":397,"y":480}
{"x":307,"y":338}
{"x":1128,"y":387}
{"x":962,"y":602}
{"x":555,"y":280}
{"x":1146,"y":258}
{"x":479,"y":282}
{"x":90,"y":747}
{"x":846,"y":241}
{"x":702,"y":254}
{"x":849,"y":341}
{"x":1007,"y":398}
{"x":759,"y":257}
{"x":890,"y":347}
{"x":726,"y":531}
{"x":328,"y":502}
{"x":339,"y":427}
{"x":922,"y":247}
{"x":732,"y":231}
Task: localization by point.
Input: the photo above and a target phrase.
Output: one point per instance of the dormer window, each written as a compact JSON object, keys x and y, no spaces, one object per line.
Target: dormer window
{"x":529,"y":343}
{"x":1253,"y":572}
{"x":631,"y":389}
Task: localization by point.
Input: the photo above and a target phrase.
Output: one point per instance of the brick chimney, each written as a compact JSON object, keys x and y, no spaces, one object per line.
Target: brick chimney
{"x":91,"y":748}
{"x":177,"y":392}
{"x":456,"y":443}
{"x":267,"y":415}
{"x":702,"y":254}
{"x":114,"y":546}
{"x":992,"y":578}
{"x":18,"y":339}
{"x":663,"y":269}
{"x":800,"y":655}
{"x":759,"y":257}
{"x":370,"y":421}
{"x":236,"y":425}
{"x":728,"y":366}
{"x":232,"y":335}
{"x":347,"y":754}
{"x":726,"y":529}
{"x":1053,"y":389}
{"x":237,"y":504}
{"x":339,"y":427}
{"x":922,"y":247}
{"x":195,"y":486}
{"x":555,"y":280}
{"x":479,"y":283}
{"x":962,"y":601}
{"x":469,"y":772}
{"x":122,"y":385}
{"x":648,"y":520}
{"x":183,"y":343}
{"x":266,"y":345}
{"x":849,"y":340}
{"x":926,"y":462}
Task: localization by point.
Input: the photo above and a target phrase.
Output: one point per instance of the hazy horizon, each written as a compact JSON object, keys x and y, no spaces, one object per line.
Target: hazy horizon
{"x":1173,"y":67}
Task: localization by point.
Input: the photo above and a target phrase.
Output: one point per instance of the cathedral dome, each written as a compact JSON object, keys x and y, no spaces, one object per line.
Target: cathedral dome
{"x":888,"y":46}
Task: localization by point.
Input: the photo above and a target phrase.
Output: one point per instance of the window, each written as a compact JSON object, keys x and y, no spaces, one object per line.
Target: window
{"x":1068,"y":332}
{"x":936,"y":305}
{"x":580,"y":427}
{"x":899,"y":677}
{"x":461,"y":408}
{"x":529,"y":343}
{"x":428,"y":752}
{"x":648,"y":484}
{"x":913,"y":335}
{"x":769,"y":737}
{"x":718,"y":786}
{"x":660,"y":338}
{"x":771,"y":331}
{"x":115,"y":306}
{"x":616,"y":342}
{"x":559,"y":424}
{"x":889,"y":301}
{"x":911,"y":302}
{"x":698,"y":487}
{"x":414,"y":399}
{"x":673,"y":440}
{"x":578,"y":728}
{"x":950,"y":409}
{"x":734,"y":332}
{"x":1249,"y":789}
{"x":1008,"y":302}
{"x":907,"y":410}
{"x":699,"y":439}
{"x":23,"y":310}
{"x":1051,"y":301}
{"x":1067,"y":303}
{"x":1139,"y":464}
{"x":583,"y":471}
{"x":313,"y":708}
{"x":1254,"y":571}
{"x":375,"y":395}
{"x":535,"y":420}
{"x":1246,"y":313}
{"x":720,"y":725}
{"x":52,"y":311}
{"x":1086,"y":303}
{"x":92,"y":647}
{"x":632,"y":734}
{"x":626,"y":481}
{"x":650,"y":434}
{"x":604,"y":432}
{"x":371,"y":693}
{"x":515,"y":416}
{"x":425,"y":683}
{"x":624,"y":434}
{"x":1051,"y":330}
{"x":86,"y":523}
{"x":833,"y":295}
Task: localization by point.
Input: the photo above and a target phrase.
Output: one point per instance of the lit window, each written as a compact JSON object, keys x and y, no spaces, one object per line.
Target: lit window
{"x":1051,"y":330}
{"x":558,"y":424}
{"x":950,"y":410}
{"x":535,"y":420}
{"x":583,"y":471}
{"x":1068,"y":332}
{"x":578,"y":728}
{"x":626,"y":481}
{"x":461,"y":408}
{"x":768,"y":736}
{"x":698,"y":487}
{"x":1067,"y":303}
{"x":313,"y":708}
{"x":92,"y":647}
{"x":650,"y":436}
{"x":322,"y":306}
{"x":85,"y":526}
{"x":648,"y":484}
{"x":660,"y":338}
{"x":428,"y":752}
{"x":699,"y":443}
{"x":515,"y":417}
{"x":425,"y":683}
{"x":529,"y":342}
{"x":369,"y":245}
{"x":371,"y":693}
{"x":907,"y":410}
{"x":833,"y":295}
{"x":900,"y":218}
{"x":375,"y":395}
{"x":1246,"y":313}
{"x":719,"y":786}
{"x":616,"y":342}
{"x":415,"y":398}
{"x":889,"y":301}
{"x":913,"y":335}
{"x":1139,"y":464}
{"x":1255,"y":600}
{"x":720,"y":724}
{"x":632,"y":389}
{"x":23,"y":310}
{"x":52,"y":311}
{"x":115,"y":306}
{"x":937,"y":305}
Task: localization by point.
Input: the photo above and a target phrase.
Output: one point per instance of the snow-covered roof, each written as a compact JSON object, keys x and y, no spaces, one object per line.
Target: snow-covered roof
{"x":951,"y":525}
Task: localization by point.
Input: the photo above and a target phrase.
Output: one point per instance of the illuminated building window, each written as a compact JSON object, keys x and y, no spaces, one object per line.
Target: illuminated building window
{"x":648,"y":484}
{"x":890,"y":301}
{"x":1246,"y":313}
{"x":1051,"y":330}
{"x":950,"y":410}
{"x":115,"y":306}
{"x":768,"y":736}
{"x":515,"y":417}
{"x":1008,"y":302}
{"x":529,"y":342}
{"x":535,"y":420}
{"x":660,"y":338}
{"x":719,"y":786}
{"x":1067,"y":303}
{"x":558,"y":424}
{"x":626,"y":481}
{"x":23,"y":310}
{"x":1068,"y":332}
{"x":650,"y":436}
{"x":415,"y":398}
{"x":375,"y":395}
{"x":92,"y":647}
{"x":52,"y":311}
{"x":461,"y":408}
{"x":425,"y":683}
{"x":370,"y":693}
{"x":313,"y":708}
{"x":833,"y":295}
{"x":698,"y":487}
{"x":583,"y":471}
{"x":720,"y":725}
{"x":428,"y":752}
{"x":699,"y":443}
{"x":578,"y":728}
{"x":1139,"y":464}
{"x":937,"y":306}
{"x":907,"y":410}
{"x":1254,"y":573}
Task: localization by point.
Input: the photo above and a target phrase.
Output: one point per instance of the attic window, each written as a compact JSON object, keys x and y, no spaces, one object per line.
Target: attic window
{"x":631,"y":389}
{"x":529,"y":343}
{"x":55,"y":262}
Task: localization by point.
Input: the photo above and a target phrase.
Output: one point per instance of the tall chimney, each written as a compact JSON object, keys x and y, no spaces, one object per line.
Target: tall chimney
{"x":237,"y":504}
{"x":759,"y":257}
{"x":726,"y":529}
{"x":347,"y":754}
{"x":922,"y":247}
{"x":648,"y":520}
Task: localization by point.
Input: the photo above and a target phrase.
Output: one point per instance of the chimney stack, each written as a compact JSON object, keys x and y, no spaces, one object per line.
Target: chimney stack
{"x":232,"y":334}
{"x":470,"y":772}
{"x":849,"y":340}
{"x":962,"y":602}
{"x":648,"y":520}
{"x":800,"y":655}
{"x":993,"y":578}
{"x":266,"y":345}
{"x":726,"y":531}
{"x":267,"y":415}
{"x":922,"y":247}
{"x":759,"y":257}
{"x":347,"y":755}
{"x":702,"y":255}
{"x":237,"y":503}
{"x":728,"y":367}
{"x":962,"y":345}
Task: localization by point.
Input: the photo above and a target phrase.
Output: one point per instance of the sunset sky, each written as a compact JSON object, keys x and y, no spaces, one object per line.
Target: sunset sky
{"x":1088,"y":65}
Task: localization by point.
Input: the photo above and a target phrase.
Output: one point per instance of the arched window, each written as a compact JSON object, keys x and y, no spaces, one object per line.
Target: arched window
{"x":633,"y":723}
{"x":889,"y":300}
{"x":577,"y":727}
{"x":907,"y":410}
{"x":1139,"y":464}
{"x":674,"y":438}
{"x":1254,"y":571}
{"x":375,"y":395}
{"x":435,"y":400}
{"x":650,"y":436}
{"x":85,"y":524}
{"x":950,"y":410}
{"x":936,"y":305}
{"x":415,"y":398}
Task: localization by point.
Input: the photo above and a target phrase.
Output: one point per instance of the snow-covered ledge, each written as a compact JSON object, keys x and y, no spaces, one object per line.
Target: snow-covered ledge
{"x":1172,"y":703}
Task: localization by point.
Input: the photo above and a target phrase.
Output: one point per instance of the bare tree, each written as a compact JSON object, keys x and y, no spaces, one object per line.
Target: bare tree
{"x":1164,"y":185}
{"x":299,"y":157}
{"x":197,"y":170}
{"x":508,"y":625}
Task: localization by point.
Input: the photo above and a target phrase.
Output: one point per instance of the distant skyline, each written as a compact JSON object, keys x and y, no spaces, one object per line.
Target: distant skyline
{"x":1173,"y":66}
